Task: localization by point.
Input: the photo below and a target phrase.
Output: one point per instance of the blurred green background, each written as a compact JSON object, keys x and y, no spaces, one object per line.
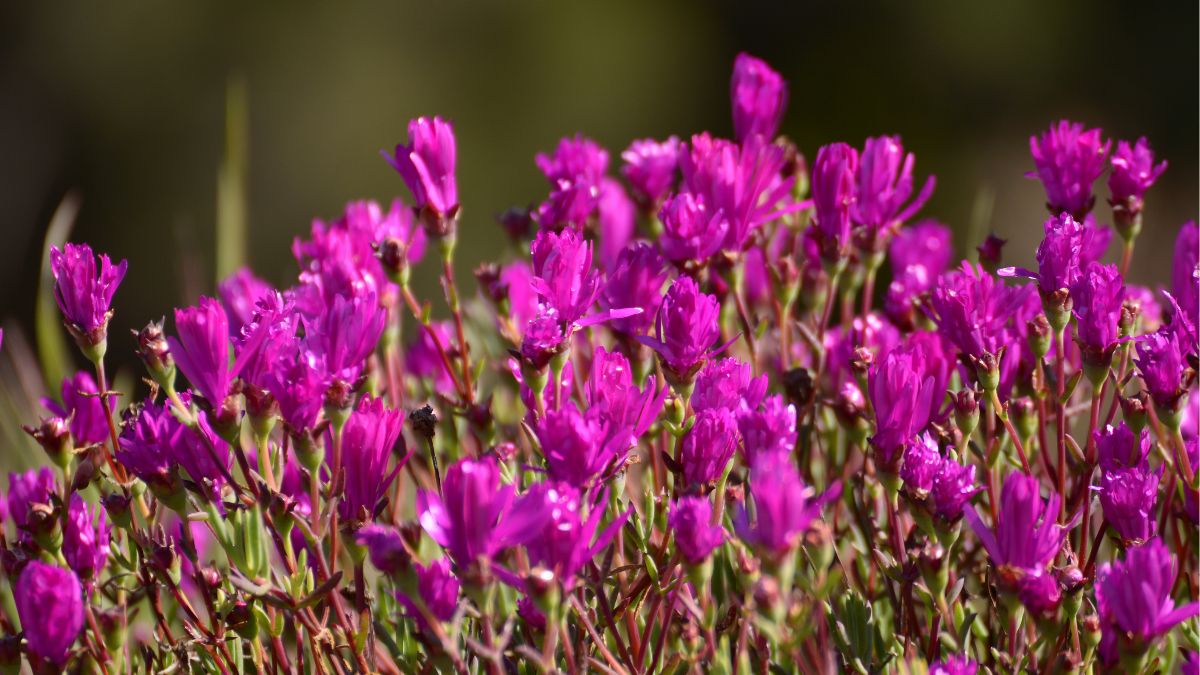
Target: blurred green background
{"x":124,"y":103}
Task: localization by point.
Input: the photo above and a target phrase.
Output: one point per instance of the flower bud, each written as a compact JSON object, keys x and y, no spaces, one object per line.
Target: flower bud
{"x":966,"y":412}
{"x":240,"y":619}
{"x":799,"y":386}
{"x":1133,"y":410}
{"x":54,"y":435}
{"x":424,"y":422}
{"x":990,"y":252}
{"x":165,"y":559}
{"x":393,"y":256}
{"x":517,"y":222}
{"x":153,"y":351}
{"x":117,"y":504}
{"x":1024,"y":419}
{"x":1039,"y":336}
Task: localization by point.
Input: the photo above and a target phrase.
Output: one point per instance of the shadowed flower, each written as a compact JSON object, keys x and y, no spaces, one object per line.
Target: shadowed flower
{"x":385,"y":547}
{"x":922,"y":463}
{"x":616,"y":216}
{"x":1097,"y":296}
{"x":1128,"y":487}
{"x":85,"y":538}
{"x":610,"y":390}
{"x":767,"y":430}
{"x":423,"y":360}
{"x":49,"y":602}
{"x":925,"y":244}
{"x":346,"y":334}
{"x":84,"y":294}
{"x":708,"y":446}
{"x":575,"y":170}
{"x":438,"y":588}
{"x":685,"y":331}
{"x":651,"y":168}
{"x":953,"y":487}
{"x":759,"y":96}
{"x":691,"y":230}
{"x":240,"y":293}
{"x":1133,"y":598}
{"x":1185,"y":274}
{"x":784,"y":507}
{"x":885,"y":183}
{"x":902,"y":394}
{"x":834,"y":180}
{"x":1068,"y":160}
{"x":635,"y":281}
{"x":427,"y":165}
{"x":202,"y":349}
{"x":368,"y":440}
{"x":1161,"y":363}
{"x":580,"y":448}
{"x":34,"y":486}
{"x":729,"y":384}
{"x":144,"y":447}
{"x":1025,"y":539}
{"x":1133,"y":172}
{"x":696,"y":536}
{"x":81,"y":404}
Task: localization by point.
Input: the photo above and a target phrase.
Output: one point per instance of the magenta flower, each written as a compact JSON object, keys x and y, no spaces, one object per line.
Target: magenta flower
{"x":651,"y":168}
{"x":610,"y":390}
{"x":1069,"y":160}
{"x":1058,"y":256}
{"x":202,"y":349}
{"x":767,"y":430}
{"x":1097,"y":296}
{"x":972,"y":310}
{"x":636,"y":280}
{"x":560,"y":539}
{"x":385,"y":547}
{"x":885,"y":183}
{"x":84,"y":294}
{"x":834,"y":178}
{"x":471,"y":518}
{"x":298,"y":385}
{"x":958,"y":664}
{"x":423,"y":360}
{"x":240,"y":293}
{"x":370,"y":436}
{"x":202,"y":454}
{"x":427,"y":165}
{"x":85,"y":538}
{"x":615,"y":218}
{"x":544,"y":337}
{"x":148,"y":434}
{"x":1133,"y":598}
{"x":696,"y":537}
{"x":922,"y":464}
{"x":691,"y":230}
{"x":902,"y":395}
{"x":34,"y":486}
{"x":81,"y":404}
{"x":550,"y":395}
{"x":563,"y":273}
{"x":1025,"y":539}
{"x":345,"y":334}
{"x":925,"y":244}
{"x":953,"y":487}
{"x":574,"y":159}
{"x":1185,"y":275}
{"x":49,"y":602}
{"x":1161,"y":363}
{"x":759,"y":96}
{"x":1133,"y":172}
{"x":438,"y":588}
{"x":708,"y":446}
{"x":580,"y":448}
{"x":1128,"y":487}
{"x":742,"y":182}
{"x":873,"y":333}
{"x":784,"y":507}
{"x":685,"y":330}
{"x":728,"y":384}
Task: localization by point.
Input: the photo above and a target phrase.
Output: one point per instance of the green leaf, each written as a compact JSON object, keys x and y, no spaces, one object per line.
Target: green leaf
{"x":231,"y":181}
{"x":53,"y":352}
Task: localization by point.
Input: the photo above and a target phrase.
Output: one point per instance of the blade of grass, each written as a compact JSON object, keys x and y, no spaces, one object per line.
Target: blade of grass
{"x":52,"y":348}
{"x":231,"y":182}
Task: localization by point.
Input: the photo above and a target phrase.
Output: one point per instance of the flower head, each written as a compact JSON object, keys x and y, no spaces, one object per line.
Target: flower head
{"x":345,"y":334}
{"x":958,"y":664}
{"x":1026,"y":535}
{"x":202,"y":349}
{"x":1161,"y":363}
{"x":34,"y":486}
{"x":438,"y":588}
{"x":768,"y":429}
{"x":81,"y":404}
{"x":729,"y":384}
{"x":1068,"y":160}
{"x":922,"y":463}
{"x":1058,"y":256}
{"x":784,"y":506}
{"x":834,"y":178}
{"x":902,"y":393}
{"x":651,"y":168}
{"x":611,"y":391}
{"x":369,"y":438}
{"x":144,"y":446}
{"x":470,"y":519}
{"x":427,"y":165}
{"x":708,"y":446}
{"x":1185,"y":274}
{"x":579,"y":448}
{"x":201,"y":453}
{"x":1133,"y":597}
{"x":885,"y":183}
{"x":84,"y":294}
{"x":925,"y":244}
{"x":563,"y":274}
{"x":759,"y":96}
{"x":1096,"y":298}
{"x":953,"y":487}
{"x":85,"y":538}
{"x":385,"y":547}
{"x":616,"y":217}
{"x":240,"y":293}
{"x":1133,"y":172}
{"x":636,"y":280}
{"x":691,"y":230}
{"x":685,"y":330}
{"x":49,"y":602}
{"x":972,"y":310}
{"x":1128,"y":487}
{"x":561,"y":540}
{"x":696,"y":536}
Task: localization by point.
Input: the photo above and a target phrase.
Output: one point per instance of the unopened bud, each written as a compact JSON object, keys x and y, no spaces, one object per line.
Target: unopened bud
{"x":116,"y":505}
{"x":517,"y":222}
{"x":1024,"y":419}
{"x":424,"y":422}
{"x":54,"y":435}
{"x":1039,"y":336}
{"x":799,"y":385}
{"x":153,"y":351}
{"x":393,"y":256}
{"x":1133,"y":410}
{"x":991,"y":252}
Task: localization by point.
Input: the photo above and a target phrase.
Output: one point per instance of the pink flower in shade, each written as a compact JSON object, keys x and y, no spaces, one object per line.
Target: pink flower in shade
{"x":49,"y":602}
{"x":696,"y":537}
{"x":834,"y":178}
{"x":691,"y":230}
{"x":427,"y":165}
{"x":636,"y":280}
{"x":651,"y":168}
{"x":370,"y":438}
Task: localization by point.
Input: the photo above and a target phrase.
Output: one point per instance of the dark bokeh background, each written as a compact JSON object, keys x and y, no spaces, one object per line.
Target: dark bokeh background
{"x":124,"y":102}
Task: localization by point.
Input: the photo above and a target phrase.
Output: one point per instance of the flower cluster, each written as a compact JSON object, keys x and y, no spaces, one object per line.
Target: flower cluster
{"x":713,"y":446}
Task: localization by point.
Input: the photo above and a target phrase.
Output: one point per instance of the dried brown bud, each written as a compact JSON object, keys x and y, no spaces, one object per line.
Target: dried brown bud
{"x":424,"y":422}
